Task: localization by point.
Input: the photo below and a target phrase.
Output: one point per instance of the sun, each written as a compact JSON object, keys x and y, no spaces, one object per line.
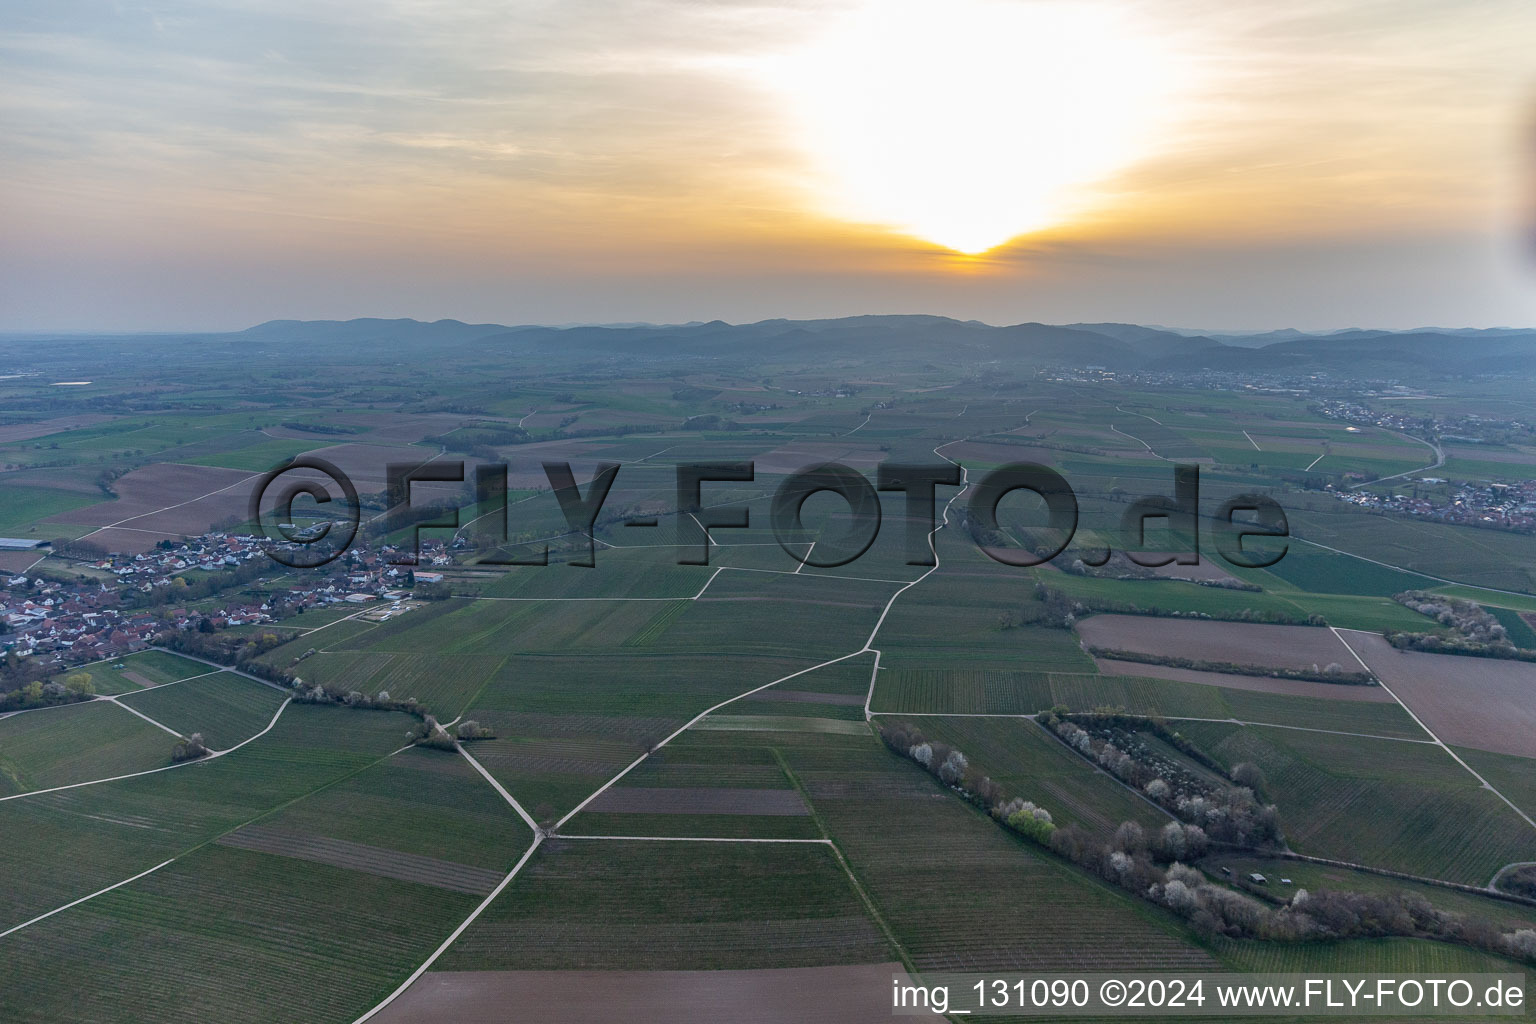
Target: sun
{"x":970,"y":122}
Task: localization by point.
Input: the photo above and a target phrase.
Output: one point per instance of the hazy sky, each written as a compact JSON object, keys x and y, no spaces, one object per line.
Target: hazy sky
{"x":1203,"y":163}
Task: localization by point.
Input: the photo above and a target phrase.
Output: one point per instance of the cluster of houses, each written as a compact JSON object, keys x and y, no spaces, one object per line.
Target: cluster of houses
{"x":70,"y":622}
{"x":1468,"y":428}
{"x":1496,"y":506}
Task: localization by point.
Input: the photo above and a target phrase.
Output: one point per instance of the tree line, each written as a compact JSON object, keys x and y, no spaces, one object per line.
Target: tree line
{"x":1153,"y":865}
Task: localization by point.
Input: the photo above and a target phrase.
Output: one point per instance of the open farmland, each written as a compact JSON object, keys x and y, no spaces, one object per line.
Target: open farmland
{"x":138,"y":671}
{"x":1348,"y":611}
{"x":21,"y":508}
{"x":954,"y":618}
{"x":62,"y":746}
{"x":10,"y":433}
{"x":372,"y":860}
{"x":1516,"y":624}
{"x":1028,"y":761}
{"x":1485,"y":703}
{"x":1479,"y":557}
{"x":162,"y":501}
{"x":115,"y":830}
{"x":699,"y":800}
{"x":1384,"y":803}
{"x":1365,"y":956}
{"x":231,"y":926}
{"x":243,"y":910}
{"x":686,"y":810}
{"x":1515,"y":777}
{"x":1312,"y":568}
{"x":1239,"y":643}
{"x":619,"y":904}
{"x":811,"y":995}
{"x":444,"y":683}
{"x":939,"y":892}
{"x":225,"y":708}
{"x":1024,"y":693}
{"x":730,"y":783}
{"x":1257,"y":683}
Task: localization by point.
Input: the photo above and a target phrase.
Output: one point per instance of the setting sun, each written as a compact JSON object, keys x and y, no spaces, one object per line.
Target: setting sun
{"x":970,"y":123}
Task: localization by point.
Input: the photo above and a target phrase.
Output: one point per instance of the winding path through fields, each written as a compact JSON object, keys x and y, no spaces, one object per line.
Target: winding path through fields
{"x":1439,"y":461}
{"x":554,"y":832}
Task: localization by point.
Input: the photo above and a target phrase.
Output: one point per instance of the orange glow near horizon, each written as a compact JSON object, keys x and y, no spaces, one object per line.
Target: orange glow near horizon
{"x":973,"y":122}
{"x":1206,"y":162}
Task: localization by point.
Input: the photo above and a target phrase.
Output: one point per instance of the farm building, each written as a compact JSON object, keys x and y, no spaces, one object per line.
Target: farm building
{"x":21,"y":544}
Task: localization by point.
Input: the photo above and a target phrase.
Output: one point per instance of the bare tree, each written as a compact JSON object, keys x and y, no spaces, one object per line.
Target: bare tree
{"x":1130,"y":837}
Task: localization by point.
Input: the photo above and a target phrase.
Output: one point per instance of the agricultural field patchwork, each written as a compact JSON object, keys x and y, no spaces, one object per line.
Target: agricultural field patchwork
{"x":641,"y":778}
{"x":1282,"y":647}
{"x":617,"y":904}
{"x":63,"y":746}
{"x":224,"y":708}
{"x":1484,"y":703}
{"x":1405,"y":806}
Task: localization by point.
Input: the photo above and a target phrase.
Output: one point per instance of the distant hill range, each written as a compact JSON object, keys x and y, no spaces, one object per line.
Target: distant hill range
{"x":943,"y":340}
{"x":854,"y":341}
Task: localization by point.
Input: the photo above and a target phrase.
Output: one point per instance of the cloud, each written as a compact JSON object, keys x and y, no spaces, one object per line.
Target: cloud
{"x":589,"y":138}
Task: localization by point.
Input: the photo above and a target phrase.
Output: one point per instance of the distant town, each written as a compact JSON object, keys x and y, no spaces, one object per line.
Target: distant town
{"x":71,"y":622}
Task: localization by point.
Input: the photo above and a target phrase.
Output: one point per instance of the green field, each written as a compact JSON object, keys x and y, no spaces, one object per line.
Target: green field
{"x":1515,"y":777}
{"x":430,"y":803}
{"x":306,"y":874}
{"x":1031,"y":763}
{"x":1319,"y":877}
{"x":1313,"y":569}
{"x":1347,"y":611}
{"x":613,"y":905}
{"x":1483,"y":558}
{"x":444,"y":683}
{"x":231,"y":927}
{"x":1024,"y":693}
{"x":1520,"y":632}
{"x":1365,"y":956}
{"x":1405,"y":806}
{"x":247,"y":923}
{"x":225,"y":708}
{"x":117,"y":829}
{"x":951,"y":883}
{"x":21,"y":509}
{"x":61,"y":746}
{"x":155,"y":668}
{"x":258,"y":457}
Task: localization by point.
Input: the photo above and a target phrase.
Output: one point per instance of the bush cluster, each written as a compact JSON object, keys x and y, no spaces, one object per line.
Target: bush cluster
{"x":239,"y":650}
{"x":1155,"y":865}
{"x":317,"y":693}
{"x":38,"y":694}
{"x":1121,"y":567}
{"x":1228,"y":814}
{"x":428,"y":733}
{"x":189,"y":749}
{"x":1477,"y":632}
